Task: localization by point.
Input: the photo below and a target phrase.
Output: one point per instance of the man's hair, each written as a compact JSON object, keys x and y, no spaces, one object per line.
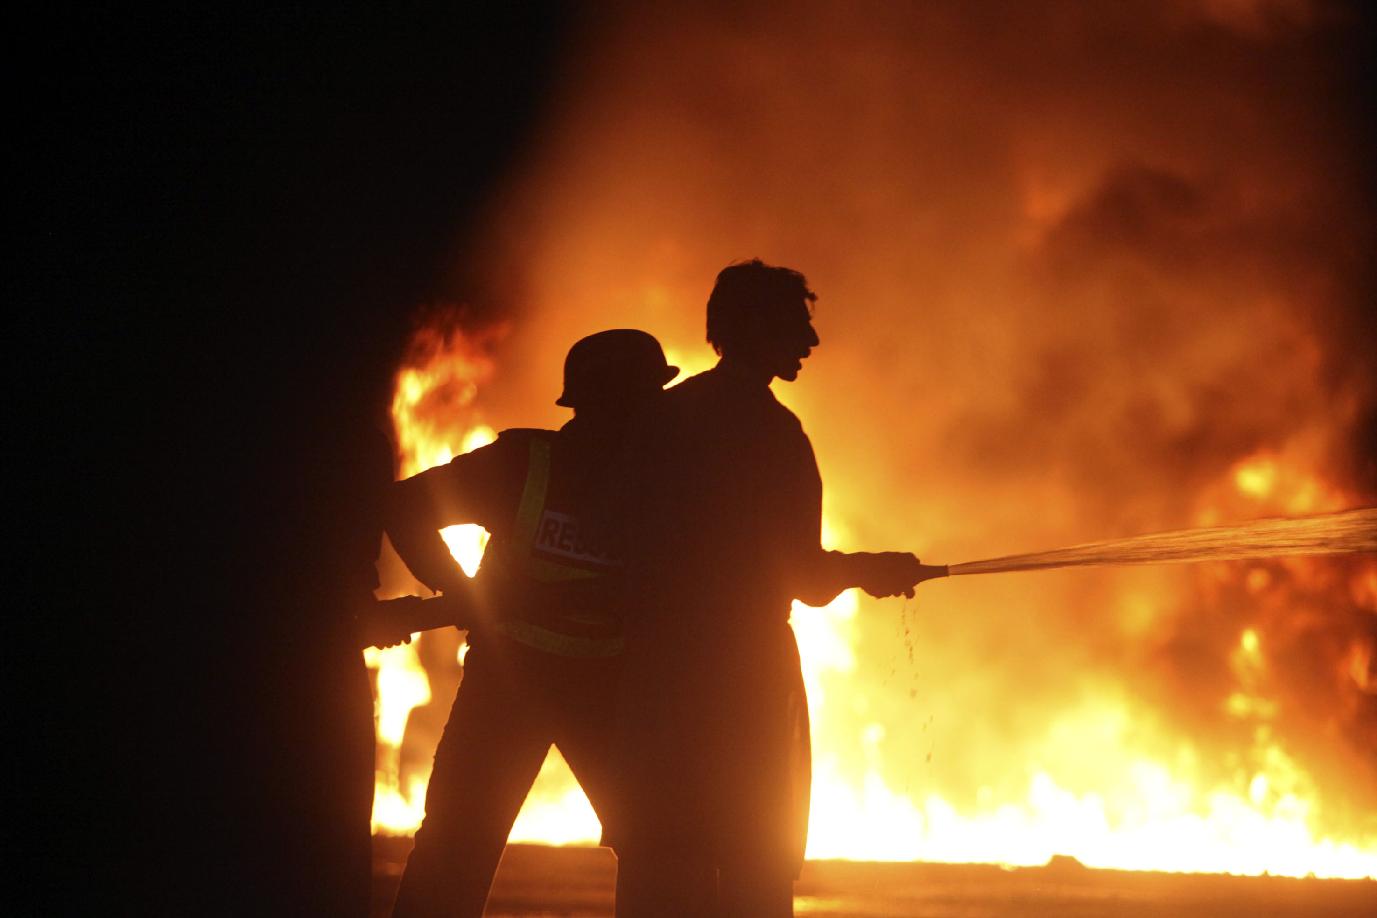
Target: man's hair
{"x":746,"y":289}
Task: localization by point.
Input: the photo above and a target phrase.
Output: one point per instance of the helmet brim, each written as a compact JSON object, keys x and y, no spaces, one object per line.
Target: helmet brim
{"x":565,"y":400}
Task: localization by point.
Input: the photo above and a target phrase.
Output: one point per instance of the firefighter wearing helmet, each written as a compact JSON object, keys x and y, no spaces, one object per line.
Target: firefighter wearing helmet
{"x":547,"y":634}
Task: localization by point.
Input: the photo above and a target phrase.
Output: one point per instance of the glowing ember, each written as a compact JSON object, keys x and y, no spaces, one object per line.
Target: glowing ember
{"x":1256,"y":477}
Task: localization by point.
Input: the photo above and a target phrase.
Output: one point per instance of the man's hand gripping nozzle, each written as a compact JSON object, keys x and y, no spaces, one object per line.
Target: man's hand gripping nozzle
{"x":390,"y":622}
{"x":894,"y":573}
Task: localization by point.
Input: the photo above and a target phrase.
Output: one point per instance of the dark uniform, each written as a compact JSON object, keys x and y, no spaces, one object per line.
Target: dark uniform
{"x":544,"y":654}
{"x":713,"y":688}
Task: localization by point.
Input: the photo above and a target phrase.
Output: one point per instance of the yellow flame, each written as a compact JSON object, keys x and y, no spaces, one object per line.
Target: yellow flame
{"x":1145,"y":813}
{"x":1250,"y":643}
{"x":1256,"y":477}
{"x":1147,"y":816}
{"x":402,"y":686}
{"x":556,"y":811}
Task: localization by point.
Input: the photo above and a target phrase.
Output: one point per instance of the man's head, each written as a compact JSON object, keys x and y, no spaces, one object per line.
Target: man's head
{"x":614,"y":369}
{"x":761,"y":315}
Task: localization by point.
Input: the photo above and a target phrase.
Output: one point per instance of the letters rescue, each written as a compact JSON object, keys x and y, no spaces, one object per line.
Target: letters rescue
{"x":560,"y":536}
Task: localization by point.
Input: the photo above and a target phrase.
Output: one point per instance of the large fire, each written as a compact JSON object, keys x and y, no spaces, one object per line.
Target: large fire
{"x":1148,"y":803}
{"x":1047,"y":316}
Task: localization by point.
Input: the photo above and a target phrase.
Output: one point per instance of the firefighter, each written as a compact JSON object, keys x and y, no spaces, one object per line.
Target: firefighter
{"x":546,"y":638}
{"x":722,"y":533}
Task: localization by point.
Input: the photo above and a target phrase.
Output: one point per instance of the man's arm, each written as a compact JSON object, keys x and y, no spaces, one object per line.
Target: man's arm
{"x":462,"y":491}
{"x":881,"y":574}
{"x":413,"y":526}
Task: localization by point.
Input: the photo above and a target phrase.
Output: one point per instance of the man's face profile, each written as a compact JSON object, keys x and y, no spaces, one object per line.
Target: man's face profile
{"x":790,"y":341}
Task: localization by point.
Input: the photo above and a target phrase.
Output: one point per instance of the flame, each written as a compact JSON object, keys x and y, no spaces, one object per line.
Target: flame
{"x":1256,"y":477}
{"x":467,"y":541}
{"x":401,"y":686}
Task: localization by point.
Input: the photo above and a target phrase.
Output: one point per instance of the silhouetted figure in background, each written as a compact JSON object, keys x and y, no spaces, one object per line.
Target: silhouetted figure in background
{"x":545,"y":651}
{"x":722,"y":533}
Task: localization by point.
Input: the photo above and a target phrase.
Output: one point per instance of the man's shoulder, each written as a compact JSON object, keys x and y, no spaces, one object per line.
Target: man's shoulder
{"x":709,"y":398}
{"x":522,"y":436}
{"x":694,"y":395}
{"x":512,"y":448}
{"x":711,"y":389}
{"x":508,"y":451}
{"x":696,"y":386}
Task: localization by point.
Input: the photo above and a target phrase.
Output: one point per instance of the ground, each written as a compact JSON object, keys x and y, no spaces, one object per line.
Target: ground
{"x":577,"y":882}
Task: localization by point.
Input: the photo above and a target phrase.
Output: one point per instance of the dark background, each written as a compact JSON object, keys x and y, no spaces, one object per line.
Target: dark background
{"x":233,"y":218}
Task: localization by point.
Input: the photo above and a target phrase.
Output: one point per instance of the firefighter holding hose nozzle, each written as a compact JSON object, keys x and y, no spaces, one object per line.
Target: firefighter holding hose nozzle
{"x":722,"y":526}
{"x":543,"y":620}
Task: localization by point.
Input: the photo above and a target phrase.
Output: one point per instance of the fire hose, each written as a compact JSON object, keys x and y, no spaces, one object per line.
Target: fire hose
{"x":388,"y":622}
{"x":393,"y":621}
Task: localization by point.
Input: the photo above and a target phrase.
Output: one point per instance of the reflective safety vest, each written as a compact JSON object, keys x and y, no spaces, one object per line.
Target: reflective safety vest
{"x":552,"y":584}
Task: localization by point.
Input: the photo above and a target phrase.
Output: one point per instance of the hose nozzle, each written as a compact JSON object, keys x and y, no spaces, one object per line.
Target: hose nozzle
{"x":931,"y":572}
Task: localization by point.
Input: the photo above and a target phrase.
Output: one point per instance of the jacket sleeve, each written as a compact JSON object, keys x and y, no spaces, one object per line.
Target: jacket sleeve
{"x":816,"y":576}
{"x":466,"y":490}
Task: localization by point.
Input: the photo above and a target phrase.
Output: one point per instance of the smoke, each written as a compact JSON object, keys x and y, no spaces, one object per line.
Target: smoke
{"x":1078,"y":264}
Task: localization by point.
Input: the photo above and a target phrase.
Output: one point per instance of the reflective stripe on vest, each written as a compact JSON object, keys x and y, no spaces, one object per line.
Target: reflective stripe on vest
{"x":516,"y":560}
{"x":519,"y":561}
{"x":566,"y":645}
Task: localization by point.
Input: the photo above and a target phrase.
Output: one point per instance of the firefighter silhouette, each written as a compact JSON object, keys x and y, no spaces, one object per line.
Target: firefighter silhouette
{"x":546,"y":634}
{"x":722,"y":532}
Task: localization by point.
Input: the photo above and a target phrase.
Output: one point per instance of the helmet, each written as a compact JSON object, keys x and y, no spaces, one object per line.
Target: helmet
{"x":610,"y":365}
